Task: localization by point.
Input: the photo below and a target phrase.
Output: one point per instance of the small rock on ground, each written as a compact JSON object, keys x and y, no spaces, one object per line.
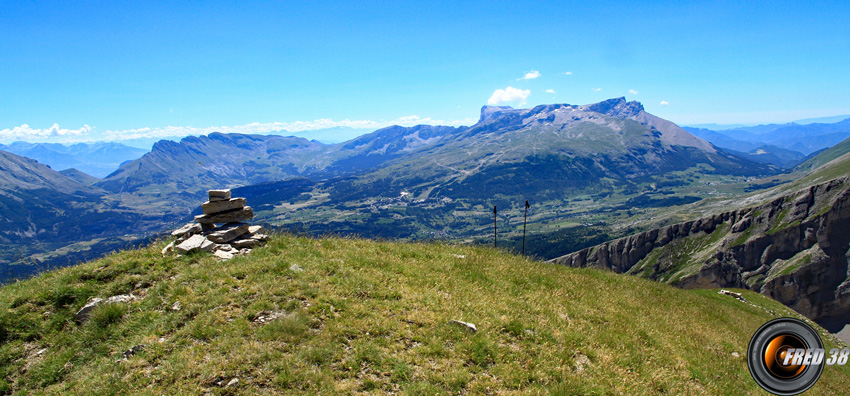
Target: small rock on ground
{"x":581,"y":361}
{"x":467,"y":326}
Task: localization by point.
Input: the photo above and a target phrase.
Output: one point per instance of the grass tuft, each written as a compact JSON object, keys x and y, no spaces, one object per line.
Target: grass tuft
{"x":104,"y":315}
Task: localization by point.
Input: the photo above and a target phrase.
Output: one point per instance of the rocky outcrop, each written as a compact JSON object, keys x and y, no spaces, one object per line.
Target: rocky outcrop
{"x":670,"y":133}
{"x":794,"y":249}
{"x":85,"y":312}
{"x":224,"y":241}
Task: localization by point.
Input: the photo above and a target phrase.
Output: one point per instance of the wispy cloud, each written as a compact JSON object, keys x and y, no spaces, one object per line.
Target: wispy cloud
{"x":569,"y":73}
{"x":26,"y":132}
{"x":277,"y":127}
{"x":530,"y":75}
{"x":551,"y":91}
{"x":664,"y":103}
{"x":508,"y":95}
{"x":87,"y":133}
{"x":633,"y":92}
{"x":596,"y":89}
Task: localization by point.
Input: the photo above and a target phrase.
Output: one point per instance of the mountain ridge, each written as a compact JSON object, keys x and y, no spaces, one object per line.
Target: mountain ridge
{"x":804,"y":138}
{"x":792,"y":244}
{"x":97,"y":159}
{"x":18,"y":172}
{"x":548,"y":154}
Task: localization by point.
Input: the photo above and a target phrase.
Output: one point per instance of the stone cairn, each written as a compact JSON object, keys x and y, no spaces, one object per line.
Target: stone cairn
{"x":232,"y":237}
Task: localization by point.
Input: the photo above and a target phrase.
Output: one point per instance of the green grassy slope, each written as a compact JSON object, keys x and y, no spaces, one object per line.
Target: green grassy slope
{"x":366,"y":317}
{"x":825,"y":156}
{"x":831,"y":164}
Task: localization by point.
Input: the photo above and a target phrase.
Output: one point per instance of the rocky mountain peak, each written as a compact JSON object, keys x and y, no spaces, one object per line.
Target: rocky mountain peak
{"x":671,"y":133}
{"x":617,"y":107}
{"x":165,"y":146}
{"x":491,"y":112}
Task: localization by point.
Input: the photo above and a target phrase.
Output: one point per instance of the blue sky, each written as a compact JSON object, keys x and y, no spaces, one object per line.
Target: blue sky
{"x":88,"y":70}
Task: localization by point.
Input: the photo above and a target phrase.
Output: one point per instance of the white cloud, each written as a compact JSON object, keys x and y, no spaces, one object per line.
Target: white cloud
{"x":507,"y":95}
{"x":530,"y":75}
{"x":87,"y":133}
{"x":26,"y":132}
{"x":270,"y":127}
{"x":465,"y":121}
{"x":569,"y":73}
{"x":551,"y":91}
{"x":596,"y":89}
{"x":664,"y":103}
{"x":633,"y":92}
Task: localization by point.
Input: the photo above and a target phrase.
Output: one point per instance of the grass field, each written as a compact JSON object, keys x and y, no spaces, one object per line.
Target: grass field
{"x":363,"y":317}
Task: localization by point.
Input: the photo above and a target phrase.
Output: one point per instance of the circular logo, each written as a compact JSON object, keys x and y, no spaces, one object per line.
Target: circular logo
{"x":780,"y":356}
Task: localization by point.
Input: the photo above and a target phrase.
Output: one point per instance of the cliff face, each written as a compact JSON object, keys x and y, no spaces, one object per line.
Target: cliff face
{"x":794,"y":249}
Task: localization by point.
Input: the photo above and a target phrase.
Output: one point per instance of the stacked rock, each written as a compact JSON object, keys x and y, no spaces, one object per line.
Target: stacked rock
{"x":230,"y":238}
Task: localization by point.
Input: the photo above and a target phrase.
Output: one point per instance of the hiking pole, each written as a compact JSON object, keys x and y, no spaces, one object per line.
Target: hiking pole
{"x":524,"y":221}
{"x":495,"y":233}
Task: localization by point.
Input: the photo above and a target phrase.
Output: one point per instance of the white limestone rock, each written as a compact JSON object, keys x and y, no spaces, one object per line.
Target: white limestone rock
{"x":168,"y":249}
{"x":85,"y":312}
{"x":223,"y":254}
{"x":213,"y":207}
{"x":227,"y":232}
{"x":195,"y":242}
{"x":232,"y":216}
{"x":464,"y":325}
{"x":244,"y":242}
{"x":219,"y":195}
{"x":189,"y":228}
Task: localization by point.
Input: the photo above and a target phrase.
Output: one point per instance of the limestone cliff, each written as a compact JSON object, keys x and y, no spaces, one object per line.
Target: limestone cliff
{"x":793,"y":249}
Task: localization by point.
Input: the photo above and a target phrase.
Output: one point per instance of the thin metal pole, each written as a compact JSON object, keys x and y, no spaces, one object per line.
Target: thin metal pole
{"x":524,"y":221}
{"x":495,"y":232}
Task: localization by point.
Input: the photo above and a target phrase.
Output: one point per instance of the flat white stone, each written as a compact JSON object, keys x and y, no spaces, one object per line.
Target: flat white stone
{"x":213,"y":207}
{"x":244,"y":243}
{"x":227,"y":233}
{"x":223,"y":255}
{"x":189,"y":228}
{"x":467,"y":326}
{"x":195,"y":242}
{"x":219,"y":195}
{"x":243,"y":214}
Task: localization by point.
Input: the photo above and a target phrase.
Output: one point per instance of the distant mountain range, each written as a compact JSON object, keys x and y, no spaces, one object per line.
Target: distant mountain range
{"x":43,"y":212}
{"x":543,"y":148}
{"x":720,"y":127}
{"x":96,"y":159}
{"x":784,"y":145}
{"x":21,"y":173}
{"x":572,"y":161}
{"x":544,"y":152}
